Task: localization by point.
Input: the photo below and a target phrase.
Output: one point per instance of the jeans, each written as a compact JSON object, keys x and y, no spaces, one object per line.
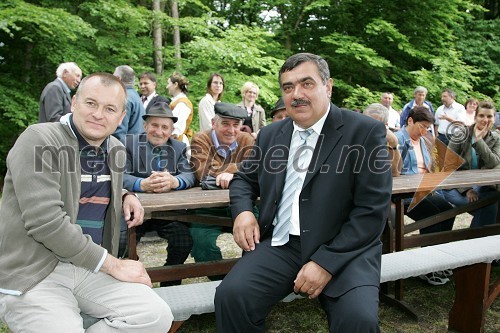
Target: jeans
{"x":431,"y":205}
{"x":482,"y":216}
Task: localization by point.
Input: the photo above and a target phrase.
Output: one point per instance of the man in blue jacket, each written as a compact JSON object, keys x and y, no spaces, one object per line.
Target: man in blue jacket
{"x":419,"y":94}
{"x":157,"y":163}
{"x":132,"y":123}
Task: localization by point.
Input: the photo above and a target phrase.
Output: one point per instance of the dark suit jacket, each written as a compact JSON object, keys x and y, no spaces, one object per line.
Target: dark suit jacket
{"x":156,"y":99}
{"x":55,"y":102}
{"x":344,"y":200}
{"x":140,"y":159}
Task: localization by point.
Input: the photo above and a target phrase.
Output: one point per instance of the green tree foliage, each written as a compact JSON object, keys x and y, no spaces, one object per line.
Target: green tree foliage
{"x":371,"y":47}
{"x":480,"y":47}
{"x":31,"y":39}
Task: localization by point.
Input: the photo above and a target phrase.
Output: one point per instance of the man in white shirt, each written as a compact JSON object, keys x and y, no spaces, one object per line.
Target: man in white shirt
{"x":447,"y":116}
{"x":386,"y":100}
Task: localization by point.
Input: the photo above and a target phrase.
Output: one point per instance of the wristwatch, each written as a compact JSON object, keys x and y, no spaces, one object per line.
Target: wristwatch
{"x":125,"y":193}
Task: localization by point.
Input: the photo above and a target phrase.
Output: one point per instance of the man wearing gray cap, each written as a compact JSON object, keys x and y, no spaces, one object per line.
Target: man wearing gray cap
{"x":215,"y":156}
{"x":157,"y":163}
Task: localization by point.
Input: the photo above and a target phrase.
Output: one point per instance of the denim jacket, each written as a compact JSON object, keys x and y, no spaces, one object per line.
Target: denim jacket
{"x":408,"y":153}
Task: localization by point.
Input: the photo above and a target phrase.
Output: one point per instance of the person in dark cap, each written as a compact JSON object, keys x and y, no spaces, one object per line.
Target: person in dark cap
{"x":157,"y":163}
{"x":279,"y":111}
{"x":215,"y":156}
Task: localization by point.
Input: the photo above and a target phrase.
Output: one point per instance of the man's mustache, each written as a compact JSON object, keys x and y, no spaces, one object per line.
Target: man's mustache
{"x":299,"y":102}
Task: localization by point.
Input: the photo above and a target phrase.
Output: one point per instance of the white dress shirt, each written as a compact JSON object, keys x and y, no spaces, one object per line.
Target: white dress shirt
{"x":311,"y":145}
{"x":455,"y":111}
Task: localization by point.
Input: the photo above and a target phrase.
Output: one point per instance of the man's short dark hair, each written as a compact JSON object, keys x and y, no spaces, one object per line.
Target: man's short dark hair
{"x":420,"y":114}
{"x":300,"y":58}
{"x":148,"y":75}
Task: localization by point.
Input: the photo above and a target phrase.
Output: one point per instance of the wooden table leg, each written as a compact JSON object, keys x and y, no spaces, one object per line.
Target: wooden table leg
{"x":471,"y":297}
{"x":399,"y":235}
{"x":132,"y":244}
{"x":175,"y":326}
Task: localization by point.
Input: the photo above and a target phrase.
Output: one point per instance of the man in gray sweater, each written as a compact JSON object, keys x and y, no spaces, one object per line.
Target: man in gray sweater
{"x":60,"y":225}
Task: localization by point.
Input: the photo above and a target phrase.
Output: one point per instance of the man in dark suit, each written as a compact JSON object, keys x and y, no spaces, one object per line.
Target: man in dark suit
{"x":55,"y":100}
{"x":149,"y":96}
{"x":321,"y":236}
{"x":157,"y":163}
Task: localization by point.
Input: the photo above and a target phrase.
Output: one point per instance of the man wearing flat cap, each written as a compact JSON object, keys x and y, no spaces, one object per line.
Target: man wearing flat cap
{"x":215,"y":155}
{"x":279,"y":111}
{"x":157,"y":163}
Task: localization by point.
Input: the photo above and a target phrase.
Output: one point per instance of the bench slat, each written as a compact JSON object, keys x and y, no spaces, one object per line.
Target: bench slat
{"x":415,"y":262}
{"x":189,"y":299}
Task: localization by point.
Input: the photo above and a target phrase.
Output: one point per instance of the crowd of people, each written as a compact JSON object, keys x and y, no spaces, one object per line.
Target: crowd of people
{"x":304,"y":235}
{"x":427,"y":142}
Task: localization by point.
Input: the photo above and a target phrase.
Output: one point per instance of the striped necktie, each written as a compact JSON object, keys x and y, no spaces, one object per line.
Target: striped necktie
{"x":283,"y":218}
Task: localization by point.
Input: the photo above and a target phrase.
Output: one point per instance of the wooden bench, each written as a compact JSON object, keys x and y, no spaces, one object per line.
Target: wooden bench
{"x":470,"y":261}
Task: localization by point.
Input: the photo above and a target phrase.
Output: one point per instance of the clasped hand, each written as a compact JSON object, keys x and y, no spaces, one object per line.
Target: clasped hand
{"x":159,"y":182}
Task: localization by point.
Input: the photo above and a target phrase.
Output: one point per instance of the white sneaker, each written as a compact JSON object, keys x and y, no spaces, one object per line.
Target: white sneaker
{"x":434,"y":279}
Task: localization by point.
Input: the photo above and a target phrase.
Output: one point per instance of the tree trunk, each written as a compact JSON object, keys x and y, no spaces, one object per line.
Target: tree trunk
{"x":28,"y":62}
{"x":157,"y":40}
{"x":177,"y":34}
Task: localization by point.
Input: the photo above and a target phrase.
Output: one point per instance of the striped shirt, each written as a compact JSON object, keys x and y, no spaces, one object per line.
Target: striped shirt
{"x":95,"y":187}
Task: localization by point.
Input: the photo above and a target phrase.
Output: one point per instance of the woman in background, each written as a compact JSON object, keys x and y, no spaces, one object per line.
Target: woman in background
{"x":479,"y":146}
{"x":181,"y":107}
{"x":215,"y":90}
{"x":470,"y":111}
{"x":256,"y":118}
{"x":416,"y":153}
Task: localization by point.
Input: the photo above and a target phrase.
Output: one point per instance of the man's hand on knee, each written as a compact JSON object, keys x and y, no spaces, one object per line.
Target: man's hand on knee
{"x":126,"y":270}
{"x":311,"y":280}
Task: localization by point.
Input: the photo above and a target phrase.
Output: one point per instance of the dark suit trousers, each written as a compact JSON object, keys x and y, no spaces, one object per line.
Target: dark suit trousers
{"x":263,"y":277}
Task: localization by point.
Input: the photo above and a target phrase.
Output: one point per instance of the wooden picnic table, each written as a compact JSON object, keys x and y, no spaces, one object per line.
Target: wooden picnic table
{"x":179,"y":205}
{"x":397,"y":236}
{"x":192,"y":198}
{"x":409,"y":184}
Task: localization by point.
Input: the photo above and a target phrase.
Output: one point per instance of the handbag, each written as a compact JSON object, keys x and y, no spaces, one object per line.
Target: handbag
{"x":209,"y":183}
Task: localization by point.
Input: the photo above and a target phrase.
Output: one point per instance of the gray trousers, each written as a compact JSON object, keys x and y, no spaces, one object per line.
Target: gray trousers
{"x":54,"y":305}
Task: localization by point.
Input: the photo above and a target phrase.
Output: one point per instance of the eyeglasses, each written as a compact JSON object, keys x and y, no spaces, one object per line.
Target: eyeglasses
{"x":422,"y":128}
